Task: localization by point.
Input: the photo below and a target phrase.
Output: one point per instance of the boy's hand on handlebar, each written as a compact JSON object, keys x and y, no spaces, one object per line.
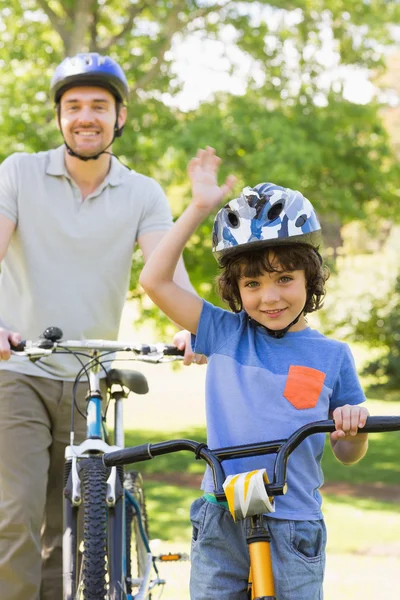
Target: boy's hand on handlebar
{"x":182,"y":340}
{"x":348,"y":420}
{"x":7,"y":337}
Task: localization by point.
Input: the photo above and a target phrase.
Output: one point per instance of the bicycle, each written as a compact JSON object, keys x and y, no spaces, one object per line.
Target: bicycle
{"x":104,"y":565}
{"x":249,"y":496}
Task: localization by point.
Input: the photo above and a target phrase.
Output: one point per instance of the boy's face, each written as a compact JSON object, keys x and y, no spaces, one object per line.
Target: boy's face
{"x":275,"y":299}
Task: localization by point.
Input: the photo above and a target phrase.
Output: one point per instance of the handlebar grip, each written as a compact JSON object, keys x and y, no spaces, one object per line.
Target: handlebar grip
{"x":20,"y":347}
{"x":381,"y":424}
{"x":127,"y":455}
{"x":172,"y":351}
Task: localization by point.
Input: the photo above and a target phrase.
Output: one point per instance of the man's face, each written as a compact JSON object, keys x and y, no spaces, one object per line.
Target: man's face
{"x":87,"y":119}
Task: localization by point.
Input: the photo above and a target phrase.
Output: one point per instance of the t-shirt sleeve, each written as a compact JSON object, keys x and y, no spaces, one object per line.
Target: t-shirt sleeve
{"x":156,"y":215}
{"x":216,"y":326}
{"x":9,"y":188}
{"x":347,"y":389}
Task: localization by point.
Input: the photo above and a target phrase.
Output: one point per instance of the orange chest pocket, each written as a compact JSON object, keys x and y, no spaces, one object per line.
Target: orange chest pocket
{"x":303,"y":386}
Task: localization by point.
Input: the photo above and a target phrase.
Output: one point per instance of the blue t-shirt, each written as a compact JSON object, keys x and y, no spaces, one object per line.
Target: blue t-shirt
{"x":259,"y":388}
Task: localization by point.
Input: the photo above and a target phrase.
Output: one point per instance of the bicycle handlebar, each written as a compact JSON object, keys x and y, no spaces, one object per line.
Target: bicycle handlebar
{"x":282,"y":449}
{"x":45,"y":346}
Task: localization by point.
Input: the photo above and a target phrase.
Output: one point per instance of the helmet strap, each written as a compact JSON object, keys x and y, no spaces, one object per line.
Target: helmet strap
{"x":278,"y":333}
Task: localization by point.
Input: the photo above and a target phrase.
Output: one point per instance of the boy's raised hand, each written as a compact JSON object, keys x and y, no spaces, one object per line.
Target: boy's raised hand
{"x":203,"y":172}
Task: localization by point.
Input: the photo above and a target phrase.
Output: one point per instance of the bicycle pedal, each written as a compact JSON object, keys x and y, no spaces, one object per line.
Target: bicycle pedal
{"x":173,"y":557}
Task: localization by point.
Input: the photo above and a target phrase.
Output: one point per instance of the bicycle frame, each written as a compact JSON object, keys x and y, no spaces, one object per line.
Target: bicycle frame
{"x":261,"y":576}
{"x":82,"y":463}
{"x":116,"y":496}
{"x":94,"y":443}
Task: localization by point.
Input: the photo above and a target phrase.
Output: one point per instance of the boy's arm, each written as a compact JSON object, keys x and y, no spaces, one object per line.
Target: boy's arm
{"x":148,"y":242}
{"x":157,"y":278}
{"x":348,"y":445}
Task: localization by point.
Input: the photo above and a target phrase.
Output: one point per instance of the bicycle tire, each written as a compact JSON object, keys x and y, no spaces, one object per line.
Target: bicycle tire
{"x":136,"y":550}
{"x":93,"y":572}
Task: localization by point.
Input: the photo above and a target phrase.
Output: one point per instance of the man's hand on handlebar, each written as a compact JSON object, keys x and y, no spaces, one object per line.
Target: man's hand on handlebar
{"x":183,"y":342}
{"x":7,"y":337}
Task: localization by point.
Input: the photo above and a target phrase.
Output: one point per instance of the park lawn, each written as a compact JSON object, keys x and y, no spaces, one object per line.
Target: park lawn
{"x":355,"y":524}
{"x":363,"y":533}
{"x":380,"y":465}
{"x":364,"y":517}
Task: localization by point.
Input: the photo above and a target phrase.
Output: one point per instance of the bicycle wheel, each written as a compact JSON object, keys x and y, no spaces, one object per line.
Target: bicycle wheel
{"x":93,"y":584}
{"x":137,"y":548}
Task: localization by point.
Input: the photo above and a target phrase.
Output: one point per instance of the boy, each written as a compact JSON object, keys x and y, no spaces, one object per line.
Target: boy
{"x":268,"y":374}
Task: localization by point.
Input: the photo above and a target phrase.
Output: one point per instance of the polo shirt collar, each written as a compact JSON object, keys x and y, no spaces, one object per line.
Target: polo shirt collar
{"x":56,"y":166}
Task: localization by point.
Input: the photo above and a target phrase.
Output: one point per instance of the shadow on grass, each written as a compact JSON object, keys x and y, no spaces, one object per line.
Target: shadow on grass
{"x":381,"y":463}
{"x":169,"y":505}
{"x":168,"y":509}
{"x":362,"y":504}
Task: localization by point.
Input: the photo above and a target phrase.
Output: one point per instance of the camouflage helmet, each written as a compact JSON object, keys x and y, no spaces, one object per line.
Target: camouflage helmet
{"x":266,"y":215}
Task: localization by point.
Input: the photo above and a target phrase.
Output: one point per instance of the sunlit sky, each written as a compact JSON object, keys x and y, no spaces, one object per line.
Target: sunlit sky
{"x":203,"y":69}
{"x":205,"y":66}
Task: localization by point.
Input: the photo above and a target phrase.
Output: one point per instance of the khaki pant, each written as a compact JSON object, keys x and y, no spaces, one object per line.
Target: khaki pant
{"x":35,"y":417}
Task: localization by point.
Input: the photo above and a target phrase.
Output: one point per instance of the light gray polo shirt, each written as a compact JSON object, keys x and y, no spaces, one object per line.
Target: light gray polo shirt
{"x":68,"y":263}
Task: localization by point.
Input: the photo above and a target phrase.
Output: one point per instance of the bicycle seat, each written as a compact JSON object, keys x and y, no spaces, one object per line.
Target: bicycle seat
{"x":133,"y":380}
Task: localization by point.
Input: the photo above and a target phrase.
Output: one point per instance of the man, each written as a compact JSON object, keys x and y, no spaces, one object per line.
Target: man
{"x":69,"y":220}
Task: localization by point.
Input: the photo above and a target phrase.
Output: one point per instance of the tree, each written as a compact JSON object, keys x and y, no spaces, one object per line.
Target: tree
{"x":381,"y":329}
{"x":291,"y":124}
{"x":37,"y":34}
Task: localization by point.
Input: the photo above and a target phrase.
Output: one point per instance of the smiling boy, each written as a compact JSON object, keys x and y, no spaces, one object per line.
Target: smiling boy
{"x":268,"y":374}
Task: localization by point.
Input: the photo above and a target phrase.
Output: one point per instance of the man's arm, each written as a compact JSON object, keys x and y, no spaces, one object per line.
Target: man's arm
{"x":7,"y":227}
{"x":148,"y":243}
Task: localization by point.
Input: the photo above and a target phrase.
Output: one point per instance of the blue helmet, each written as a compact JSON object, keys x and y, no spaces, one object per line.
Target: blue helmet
{"x":89,"y":69}
{"x":266,"y":215}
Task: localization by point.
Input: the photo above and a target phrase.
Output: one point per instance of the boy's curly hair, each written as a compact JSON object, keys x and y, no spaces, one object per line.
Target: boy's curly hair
{"x":290,"y":257}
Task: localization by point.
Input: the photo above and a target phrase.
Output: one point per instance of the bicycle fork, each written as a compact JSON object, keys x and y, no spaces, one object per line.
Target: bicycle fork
{"x":261,"y":581}
{"x":247,"y":498}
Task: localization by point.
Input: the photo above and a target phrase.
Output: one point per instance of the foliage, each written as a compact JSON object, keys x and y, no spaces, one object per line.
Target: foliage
{"x":382,"y":329}
{"x":363,"y":300}
{"x":37,"y":34}
{"x":290,"y":124}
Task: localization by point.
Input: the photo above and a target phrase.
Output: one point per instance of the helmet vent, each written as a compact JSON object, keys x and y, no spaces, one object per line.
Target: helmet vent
{"x":233,"y":219}
{"x":275,"y":211}
{"x":301,"y":220}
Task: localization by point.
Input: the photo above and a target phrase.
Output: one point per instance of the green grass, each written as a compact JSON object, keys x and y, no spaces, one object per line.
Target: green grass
{"x":355,"y":524}
{"x":381,"y":464}
{"x":168,"y":463}
{"x":168,"y":508}
{"x":361,"y":526}
{"x":363,"y":533}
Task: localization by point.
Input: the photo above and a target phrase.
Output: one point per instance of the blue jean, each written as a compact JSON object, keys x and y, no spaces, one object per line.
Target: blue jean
{"x":220,"y":557}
